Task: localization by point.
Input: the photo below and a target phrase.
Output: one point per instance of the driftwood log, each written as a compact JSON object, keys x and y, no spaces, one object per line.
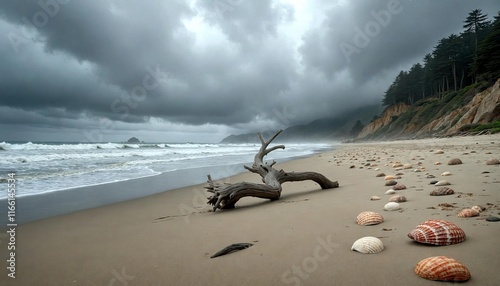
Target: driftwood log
{"x":225,"y":196}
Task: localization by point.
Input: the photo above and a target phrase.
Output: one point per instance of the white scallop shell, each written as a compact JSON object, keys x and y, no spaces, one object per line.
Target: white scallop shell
{"x":368,"y":245}
{"x":442,"y":183}
{"x":392,"y":206}
{"x":390,"y":192}
{"x":477,"y":208}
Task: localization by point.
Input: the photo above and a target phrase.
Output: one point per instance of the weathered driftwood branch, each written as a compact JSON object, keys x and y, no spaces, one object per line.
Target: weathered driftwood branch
{"x":225,"y":196}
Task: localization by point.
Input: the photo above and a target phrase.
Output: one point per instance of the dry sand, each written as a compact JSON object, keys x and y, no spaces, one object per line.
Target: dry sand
{"x":302,"y":239}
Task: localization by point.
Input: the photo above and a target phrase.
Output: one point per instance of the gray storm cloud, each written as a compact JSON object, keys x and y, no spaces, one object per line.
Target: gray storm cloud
{"x":231,"y":64}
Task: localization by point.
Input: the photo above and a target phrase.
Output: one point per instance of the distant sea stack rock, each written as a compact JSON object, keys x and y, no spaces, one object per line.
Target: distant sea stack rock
{"x":133,"y":140}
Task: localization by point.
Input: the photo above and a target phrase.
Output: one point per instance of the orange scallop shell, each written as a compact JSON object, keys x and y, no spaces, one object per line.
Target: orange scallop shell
{"x":442,"y":268}
{"x":468,"y":213}
{"x":369,"y":218}
{"x":437,"y":232}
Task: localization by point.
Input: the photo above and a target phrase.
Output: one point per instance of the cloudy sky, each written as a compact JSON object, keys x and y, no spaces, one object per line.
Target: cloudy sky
{"x":199,"y":70}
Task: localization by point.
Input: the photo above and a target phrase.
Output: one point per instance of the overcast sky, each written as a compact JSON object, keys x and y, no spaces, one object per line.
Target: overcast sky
{"x":199,"y":70}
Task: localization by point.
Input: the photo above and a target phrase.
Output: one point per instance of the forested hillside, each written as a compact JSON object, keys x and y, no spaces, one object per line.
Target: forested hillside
{"x":451,"y":92}
{"x":456,"y":61}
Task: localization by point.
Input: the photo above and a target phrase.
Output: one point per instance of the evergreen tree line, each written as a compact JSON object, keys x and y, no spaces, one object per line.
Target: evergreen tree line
{"x":455,"y":62}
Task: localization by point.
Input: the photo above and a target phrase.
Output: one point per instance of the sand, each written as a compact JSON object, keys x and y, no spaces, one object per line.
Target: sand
{"x":304,"y":238}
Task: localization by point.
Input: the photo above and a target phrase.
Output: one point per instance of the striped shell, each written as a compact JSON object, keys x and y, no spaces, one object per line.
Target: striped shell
{"x":368,"y":245}
{"x":442,"y":268}
{"x":397,"y":199}
{"x":398,"y":187}
{"x":442,"y":183}
{"x":369,"y":218}
{"x":455,"y":161}
{"x":468,"y":213}
{"x":437,"y":232}
{"x":442,"y":191}
{"x":392,"y":206}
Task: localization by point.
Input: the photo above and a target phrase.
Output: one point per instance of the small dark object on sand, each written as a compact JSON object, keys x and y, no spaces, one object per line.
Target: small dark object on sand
{"x":493,"y":218}
{"x":232,"y":248}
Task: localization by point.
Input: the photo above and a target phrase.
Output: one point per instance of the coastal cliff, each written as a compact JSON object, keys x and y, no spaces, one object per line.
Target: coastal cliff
{"x":453,"y":114}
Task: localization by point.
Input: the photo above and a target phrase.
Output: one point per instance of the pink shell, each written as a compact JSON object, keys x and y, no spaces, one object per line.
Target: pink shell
{"x":397,"y":199}
{"x":455,"y":161}
{"x":369,"y":218}
{"x":437,"y":232}
{"x":468,"y":213}
{"x":442,"y":268}
{"x":442,"y":191}
{"x":398,"y":187}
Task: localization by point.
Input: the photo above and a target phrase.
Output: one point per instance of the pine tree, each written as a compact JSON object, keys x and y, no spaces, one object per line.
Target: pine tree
{"x":488,"y":59}
{"x":475,"y":24}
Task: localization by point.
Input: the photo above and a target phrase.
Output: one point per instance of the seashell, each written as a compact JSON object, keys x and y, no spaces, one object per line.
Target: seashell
{"x":369,"y":218}
{"x":398,"y":187}
{"x":446,"y":174}
{"x":375,"y":198}
{"x":430,"y":176}
{"x":389,"y":177}
{"x":455,"y":161}
{"x":437,"y":232}
{"x":392,"y":206}
{"x":417,"y":170}
{"x":398,"y":169}
{"x":390,"y":192}
{"x":442,"y":268}
{"x":380,"y":175}
{"x":368,"y":245}
{"x":399,"y":174}
{"x":407,"y":166}
{"x":477,"y":208}
{"x":397,"y":199}
{"x":442,"y":191}
{"x":492,"y":162}
{"x":468,"y":213}
{"x":442,"y":183}
{"x":390,"y":183}
{"x":377,"y":169}
{"x":439,"y":152}
{"x":397,"y":165}
{"x":433,"y":182}
{"x":437,"y":163}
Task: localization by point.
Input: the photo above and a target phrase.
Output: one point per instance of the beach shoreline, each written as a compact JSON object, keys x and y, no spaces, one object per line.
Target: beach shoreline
{"x":302,"y":239}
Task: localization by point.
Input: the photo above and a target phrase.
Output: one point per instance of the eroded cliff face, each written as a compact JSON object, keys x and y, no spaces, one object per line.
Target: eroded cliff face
{"x":385,"y":119}
{"x":483,"y":108}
